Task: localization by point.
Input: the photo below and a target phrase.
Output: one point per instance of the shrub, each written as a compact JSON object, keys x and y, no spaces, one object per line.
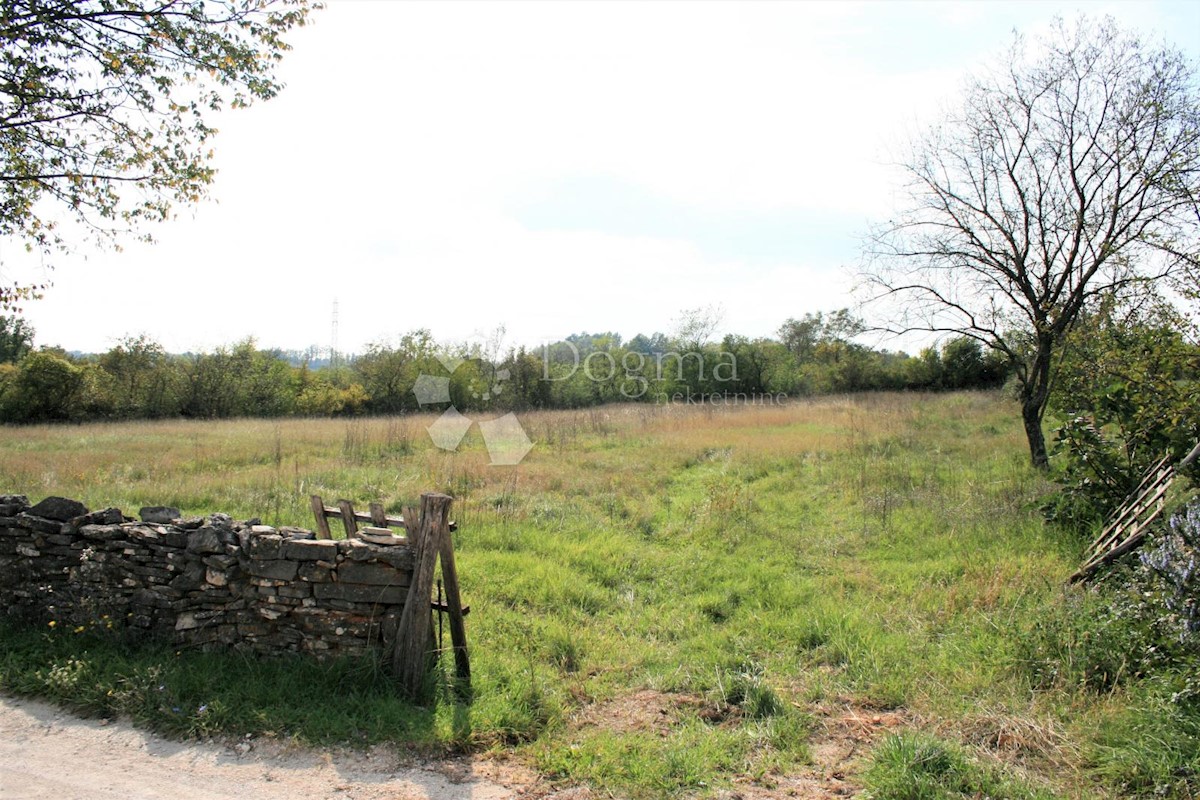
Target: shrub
{"x":1141,"y":620}
{"x":1173,"y":573}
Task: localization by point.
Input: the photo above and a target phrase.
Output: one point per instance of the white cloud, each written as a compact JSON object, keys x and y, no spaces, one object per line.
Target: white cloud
{"x":383,"y":175}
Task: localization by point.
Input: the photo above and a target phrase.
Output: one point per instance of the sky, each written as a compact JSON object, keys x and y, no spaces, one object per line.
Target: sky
{"x":551,"y":168}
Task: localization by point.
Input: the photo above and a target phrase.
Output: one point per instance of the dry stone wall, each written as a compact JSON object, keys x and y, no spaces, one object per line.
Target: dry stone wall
{"x":203,"y":581}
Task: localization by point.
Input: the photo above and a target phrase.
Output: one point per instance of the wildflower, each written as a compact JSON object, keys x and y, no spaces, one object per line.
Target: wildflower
{"x":52,"y":623}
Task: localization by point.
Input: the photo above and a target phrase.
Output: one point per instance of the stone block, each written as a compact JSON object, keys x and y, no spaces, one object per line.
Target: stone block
{"x":264,"y":547}
{"x":357,"y":550}
{"x":190,"y":578}
{"x":205,"y":541}
{"x":222,"y":562}
{"x":276,"y":570}
{"x":309,"y":550}
{"x":145,"y":534}
{"x":291,"y":532}
{"x":359,"y":593}
{"x":60,"y":509}
{"x":267,"y":612}
{"x":162,"y":515}
{"x":316,"y":571}
{"x":102,"y":533}
{"x":295,"y":591}
{"x":372,"y":574}
{"x":399,"y":557}
{"x":187,"y":621}
{"x":107,"y":516}
{"x":13,"y":504}
{"x":33,"y":522}
{"x":176,"y":538}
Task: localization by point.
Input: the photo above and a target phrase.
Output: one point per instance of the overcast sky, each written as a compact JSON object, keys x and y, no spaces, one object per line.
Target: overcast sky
{"x":550,"y":167}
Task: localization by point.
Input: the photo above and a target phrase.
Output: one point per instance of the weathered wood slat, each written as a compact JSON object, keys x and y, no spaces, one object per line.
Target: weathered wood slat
{"x":1128,"y":525}
{"x":390,"y":521}
{"x":1130,"y":543}
{"x":1129,"y":505}
{"x":318,"y":509}
{"x":413,"y":634}
{"x":1153,"y":495}
{"x":458,"y":629}
{"x":347,"y":511}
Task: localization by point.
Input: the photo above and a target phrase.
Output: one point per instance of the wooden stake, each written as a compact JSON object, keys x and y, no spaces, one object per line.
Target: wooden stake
{"x":410,"y":651}
{"x":318,"y":509}
{"x":348,"y":518}
{"x":458,"y":630}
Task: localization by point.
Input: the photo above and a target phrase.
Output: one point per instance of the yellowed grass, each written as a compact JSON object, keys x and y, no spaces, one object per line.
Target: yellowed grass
{"x":268,"y":468}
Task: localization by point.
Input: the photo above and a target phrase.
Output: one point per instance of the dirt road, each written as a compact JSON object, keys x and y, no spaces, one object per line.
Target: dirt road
{"x":48,"y":753}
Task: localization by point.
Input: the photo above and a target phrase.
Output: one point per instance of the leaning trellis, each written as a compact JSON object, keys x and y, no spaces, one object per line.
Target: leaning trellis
{"x":1127,"y":526}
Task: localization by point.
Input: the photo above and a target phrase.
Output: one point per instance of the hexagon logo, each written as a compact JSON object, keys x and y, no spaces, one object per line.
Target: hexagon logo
{"x":506,"y":441}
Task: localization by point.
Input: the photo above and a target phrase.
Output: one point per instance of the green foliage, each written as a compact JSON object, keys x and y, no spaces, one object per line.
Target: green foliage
{"x":100,"y":97}
{"x":46,"y":387}
{"x":138,"y":379}
{"x":145,"y":381}
{"x":387,"y":373}
{"x":237,"y":381}
{"x":1129,"y":392}
{"x":319,"y":397}
{"x":1093,"y":639}
{"x":16,"y":339}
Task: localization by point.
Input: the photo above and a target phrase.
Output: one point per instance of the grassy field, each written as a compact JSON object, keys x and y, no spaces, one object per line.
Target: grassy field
{"x":665,"y":601}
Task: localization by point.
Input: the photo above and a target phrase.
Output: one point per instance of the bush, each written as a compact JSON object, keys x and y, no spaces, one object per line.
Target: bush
{"x":1129,"y":392}
{"x":1173,"y":577}
{"x":1142,"y":620}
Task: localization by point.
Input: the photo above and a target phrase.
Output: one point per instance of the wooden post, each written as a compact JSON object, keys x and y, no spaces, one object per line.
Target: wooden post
{"x":318,"y":509}
{"x":410,"y":651}
{"x":458,"y":630}
{"x":348,"y":520}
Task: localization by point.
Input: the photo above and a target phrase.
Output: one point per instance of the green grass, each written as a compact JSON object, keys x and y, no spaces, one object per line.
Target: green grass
{"x":750,"y":565}
{"x":921,"y":767}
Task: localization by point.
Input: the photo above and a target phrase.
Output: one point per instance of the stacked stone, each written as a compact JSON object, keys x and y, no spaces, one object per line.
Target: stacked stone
{"x":208,"y":581}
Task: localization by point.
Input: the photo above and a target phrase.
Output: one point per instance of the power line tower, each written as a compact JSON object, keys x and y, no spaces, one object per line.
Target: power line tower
{"x":333,"y":336}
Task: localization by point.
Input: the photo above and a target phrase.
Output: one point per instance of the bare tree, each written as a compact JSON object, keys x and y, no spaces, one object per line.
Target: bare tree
{"x":1069,"y":171}
{"x":694,"y":327}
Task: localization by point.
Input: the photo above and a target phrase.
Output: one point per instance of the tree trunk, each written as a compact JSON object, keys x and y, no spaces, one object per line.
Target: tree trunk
{"x":1035,"y":394}
{"x":1031,"y":415}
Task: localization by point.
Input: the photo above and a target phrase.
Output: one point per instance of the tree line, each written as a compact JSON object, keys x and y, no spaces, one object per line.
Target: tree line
{"x":139,"y":379}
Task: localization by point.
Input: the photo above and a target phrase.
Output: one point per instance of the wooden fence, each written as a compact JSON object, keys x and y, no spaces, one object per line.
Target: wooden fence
{"x":428,"y":536}
{"x":1127,"y":526}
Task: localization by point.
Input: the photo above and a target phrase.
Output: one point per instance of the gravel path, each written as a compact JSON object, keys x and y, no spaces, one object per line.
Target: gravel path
{"x":46,"y":752}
